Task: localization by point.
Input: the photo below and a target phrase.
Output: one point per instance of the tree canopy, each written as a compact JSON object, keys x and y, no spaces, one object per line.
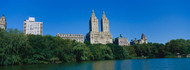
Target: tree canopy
{"x":17,"y":48}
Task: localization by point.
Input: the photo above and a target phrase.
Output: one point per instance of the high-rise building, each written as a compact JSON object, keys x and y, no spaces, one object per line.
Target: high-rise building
{"x":3,"y":24}
{"x":32,"y":27}
{"x":76,"y":37}
{"x":96,"y":37}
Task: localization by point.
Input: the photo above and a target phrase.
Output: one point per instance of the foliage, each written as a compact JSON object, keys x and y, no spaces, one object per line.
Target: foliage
{"x":17,"y":48}
{"x":156,"y":50}
{"x":118,"y":51}
{"x":81,"y":51}
{"x":101,"y":52}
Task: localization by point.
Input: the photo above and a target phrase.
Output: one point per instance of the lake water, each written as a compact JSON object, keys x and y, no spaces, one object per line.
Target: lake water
{"x":134,"y":64}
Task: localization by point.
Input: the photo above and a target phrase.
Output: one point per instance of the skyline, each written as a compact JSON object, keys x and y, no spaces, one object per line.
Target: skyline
{"x":160,"y":20}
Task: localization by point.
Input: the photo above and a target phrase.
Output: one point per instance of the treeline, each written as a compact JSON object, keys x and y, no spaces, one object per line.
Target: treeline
{"x":17,"y":48}
{"x":155,"y":50}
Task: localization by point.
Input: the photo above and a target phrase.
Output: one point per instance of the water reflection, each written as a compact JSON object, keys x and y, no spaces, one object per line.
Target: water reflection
{"x":123,"y":65}
{"x":138,"y":64}
{"x":103,"y":65}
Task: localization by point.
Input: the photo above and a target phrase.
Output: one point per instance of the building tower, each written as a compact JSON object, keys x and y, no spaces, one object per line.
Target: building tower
{"x":104,"y":23}
{"x":93,"y":23}
{"x":144,"y":39}
{"x":3,"y":24}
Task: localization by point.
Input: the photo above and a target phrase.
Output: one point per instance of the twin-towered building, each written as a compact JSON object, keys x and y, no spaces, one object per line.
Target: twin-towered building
{"x":99,"y":37}
{"x":94,"y":36}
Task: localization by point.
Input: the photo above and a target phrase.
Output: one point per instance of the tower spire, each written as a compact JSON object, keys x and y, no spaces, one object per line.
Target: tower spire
{"x":3,"y":16}
{"x":143,"y":36}
{"x":93,"y":14}
{"x":103,"y":15}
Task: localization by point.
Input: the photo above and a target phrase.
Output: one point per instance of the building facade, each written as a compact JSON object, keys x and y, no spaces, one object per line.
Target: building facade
{"x":121,"y":41}
{"x":143,"y":40}
{"x":3,"y":24}
{"x":32,"y":27}
{"x":76,"y":37}
{"x":99,"y":37}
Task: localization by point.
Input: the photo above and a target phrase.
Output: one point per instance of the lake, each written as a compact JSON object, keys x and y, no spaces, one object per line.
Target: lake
{"x":133,"y":64}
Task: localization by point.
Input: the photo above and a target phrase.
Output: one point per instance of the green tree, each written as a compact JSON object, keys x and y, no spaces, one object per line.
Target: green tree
{"x":118,"y":51}
{"x":101,"y":52}
{"x":81,"y":51}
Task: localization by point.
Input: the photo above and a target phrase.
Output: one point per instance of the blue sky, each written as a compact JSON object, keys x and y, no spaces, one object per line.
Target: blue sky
{"x":159,"y":20}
